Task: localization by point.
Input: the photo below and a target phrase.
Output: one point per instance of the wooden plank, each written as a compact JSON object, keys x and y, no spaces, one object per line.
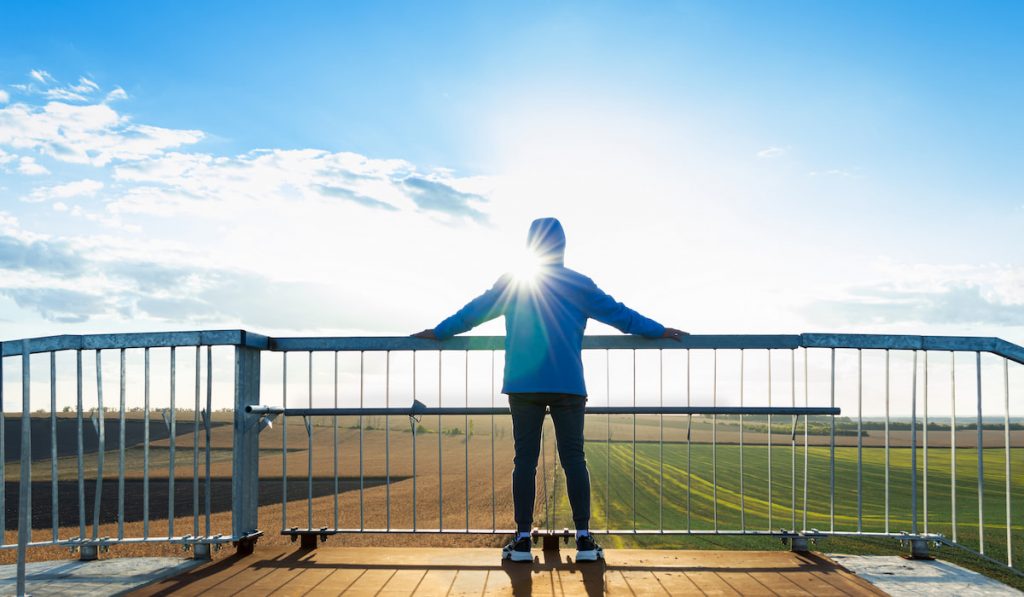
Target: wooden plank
{"x":371,"y":582}
{"x":498,"y":583}
{"x":405,"y":581}
{"x":643,"y":582}
{"x":711,"y":584}
{"x":744,"y":583}
{"x":278,"y":578}
{"x":338,"y":582}
{"x":580,"y":579}
{"x":677,"y":582}
{"x":236,"y":584}
{"x":469,"y":582}
{"x":436,"y":581}
{"x":615,"y":584}
{"x":780,"y":583}
{"x":305,"y":582}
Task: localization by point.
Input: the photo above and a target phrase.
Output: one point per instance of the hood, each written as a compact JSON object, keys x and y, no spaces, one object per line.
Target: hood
{"x":547,"y":240}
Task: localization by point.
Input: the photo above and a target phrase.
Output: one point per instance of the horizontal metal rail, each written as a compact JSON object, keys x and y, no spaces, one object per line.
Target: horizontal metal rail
{"x":248,"y":339}
{"x":782,"y":532}
{"x":261,"y":409}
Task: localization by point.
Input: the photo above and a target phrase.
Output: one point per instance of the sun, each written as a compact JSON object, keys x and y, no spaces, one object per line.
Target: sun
{"x":526,"y":268}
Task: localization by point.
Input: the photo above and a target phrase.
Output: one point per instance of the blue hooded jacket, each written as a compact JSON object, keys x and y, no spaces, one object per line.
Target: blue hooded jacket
{"x":545,"y":317}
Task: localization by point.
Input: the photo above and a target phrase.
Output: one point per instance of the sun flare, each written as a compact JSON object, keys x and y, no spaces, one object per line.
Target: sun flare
{"x":526,"y":267}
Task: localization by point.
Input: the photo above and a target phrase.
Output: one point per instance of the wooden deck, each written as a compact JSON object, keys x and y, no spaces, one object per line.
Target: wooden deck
{"x":474,"y":571}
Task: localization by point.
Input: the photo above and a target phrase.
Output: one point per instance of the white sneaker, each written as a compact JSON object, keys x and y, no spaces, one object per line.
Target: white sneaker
{"x":518,"y":550}
{"x":587,"y":550}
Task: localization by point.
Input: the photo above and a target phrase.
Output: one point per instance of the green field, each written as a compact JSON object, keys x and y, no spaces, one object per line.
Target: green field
{"x":614,"y":504}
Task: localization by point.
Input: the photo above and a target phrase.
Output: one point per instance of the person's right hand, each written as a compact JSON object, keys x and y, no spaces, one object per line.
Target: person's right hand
{"x":674,"y":334}
{"x":425,"y":334}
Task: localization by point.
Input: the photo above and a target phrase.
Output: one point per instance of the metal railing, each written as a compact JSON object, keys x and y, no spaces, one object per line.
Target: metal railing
{"x":728,"y":499}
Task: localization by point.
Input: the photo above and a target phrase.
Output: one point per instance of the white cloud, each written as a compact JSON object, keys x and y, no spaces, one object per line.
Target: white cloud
{"x":4,"y":97}
{"x":79,"y":188}
{"x":329,"y":204}
{"x":59,"y":93}
{"x":116,"y":94}
{"x":42,"y":76}
{"x":28,"y":166}
{"x":771,"y":152}
{"x":931,"y":294}
{"x":85,"y":86}
{"x":6,"y":158}
{"x":86,"y":134}
{"x":180,"y":183}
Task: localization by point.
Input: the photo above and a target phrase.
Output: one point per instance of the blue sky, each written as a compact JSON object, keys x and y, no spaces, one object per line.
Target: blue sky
{"x":332,"y":168}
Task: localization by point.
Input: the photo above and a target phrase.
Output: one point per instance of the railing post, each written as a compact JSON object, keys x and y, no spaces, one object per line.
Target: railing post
{"x":245,"y":451}
{"x":25,"y":482}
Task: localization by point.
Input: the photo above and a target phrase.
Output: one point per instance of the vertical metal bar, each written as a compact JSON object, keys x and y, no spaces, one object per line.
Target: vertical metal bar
{"x":634,"y":440}
{"x":195,"y":445}
{"x":467,"y":439}
{"x":661,"y":442}
{"x":100,"y":452}
{"x":860,"y":441}
{"x":769,"y":353}
{"x":714,"y":439}
{"x":172,"y":441}
{"x":413,"y":422}
{"x":120,"y":451}
{"x":206,"y":424}
{"x":924,"y":453}
{"x":334,"y":427}
{"x":494,"y":499}
{"x":952,"y":439}
{"x":544,"y":477}
{"x":54,"y":510}
{"x":807,"y":392}
{"x":3,"y":455}
{"x":362,"y":478}
{"x":145,"y":446}
{"x":284,"y":441}
{"x":832,"y":448}
{"x":387,"y":439}
{"x":689,"y":427}
{"x":792,"y":440}
{"x":981,"y":463}
{"x":743,"y":503}
{"x":608,"y":442}
{"x":81,"y":448}
{"x":887,"y":395}
{"x":440,"y":452}
{"x":25,"y":483}
{"x":913,"y":448}
{"x":309,"y":445}
{"x":1006,"y":443}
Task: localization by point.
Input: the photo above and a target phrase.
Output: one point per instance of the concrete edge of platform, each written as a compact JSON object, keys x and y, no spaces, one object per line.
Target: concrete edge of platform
{"x":898,"y":575}
{"x":112,"y":576}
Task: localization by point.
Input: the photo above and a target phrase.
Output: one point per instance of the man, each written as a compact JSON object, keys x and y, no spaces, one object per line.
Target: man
{"x":546,"y":310}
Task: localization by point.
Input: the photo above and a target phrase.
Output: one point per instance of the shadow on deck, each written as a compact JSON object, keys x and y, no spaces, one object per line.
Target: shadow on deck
{"x":463,"y":571}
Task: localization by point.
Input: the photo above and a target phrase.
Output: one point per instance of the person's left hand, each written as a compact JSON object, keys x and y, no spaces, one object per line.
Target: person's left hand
{"x":426,"y":335}
{"x":674,"y":334}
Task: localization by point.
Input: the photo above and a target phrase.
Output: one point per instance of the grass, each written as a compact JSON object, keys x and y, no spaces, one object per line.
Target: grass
{"x":662,"y":496}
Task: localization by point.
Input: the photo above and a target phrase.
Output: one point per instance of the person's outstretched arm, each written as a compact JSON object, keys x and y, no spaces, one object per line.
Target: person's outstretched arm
{"x":602,"y":307}
{"x":483,"y":308}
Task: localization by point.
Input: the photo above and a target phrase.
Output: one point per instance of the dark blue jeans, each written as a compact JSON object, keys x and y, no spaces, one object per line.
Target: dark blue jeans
{"x":527,"y":420}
